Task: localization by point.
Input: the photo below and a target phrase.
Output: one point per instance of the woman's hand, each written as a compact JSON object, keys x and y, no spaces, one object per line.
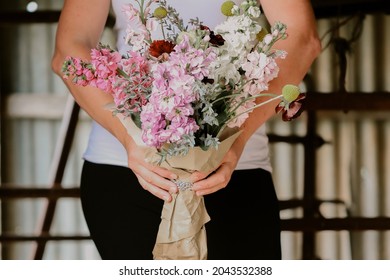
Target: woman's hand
{"x":154,"y":179}
{"x":207,"y":183}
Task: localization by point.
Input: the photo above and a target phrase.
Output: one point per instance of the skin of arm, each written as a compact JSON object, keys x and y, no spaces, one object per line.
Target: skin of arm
{"x":302,"y":46}
{"x":79,"y":30}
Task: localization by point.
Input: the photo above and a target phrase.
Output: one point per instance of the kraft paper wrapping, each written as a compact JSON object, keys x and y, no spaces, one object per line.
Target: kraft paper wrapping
{"x":182,"y":232}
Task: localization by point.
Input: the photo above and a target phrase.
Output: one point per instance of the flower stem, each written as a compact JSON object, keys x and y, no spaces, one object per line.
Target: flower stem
{"x":162,"y":29}
{"x":141,"y":11}
{"x":227,"y":120}
{"x":253,"y":97}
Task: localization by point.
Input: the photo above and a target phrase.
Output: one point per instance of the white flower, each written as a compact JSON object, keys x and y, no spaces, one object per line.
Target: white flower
{"x":206,"y":38}
{"x":254,"y":12}
{"x":239,"y":33}
{"x":227,"y":71}
{"x":235,"y":10}
{"x":260,"y":69}
{"x":267,"y":39}
{"x":188,"y":35}
{"x":137,"y":41}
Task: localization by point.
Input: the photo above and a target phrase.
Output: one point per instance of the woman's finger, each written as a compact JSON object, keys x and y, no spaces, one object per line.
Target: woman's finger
{"x":156,"y":191}
{"x":154,"y":179}
{"x":216,"y":181}
{"x":197,"y":176}
{"x":163,"y":172}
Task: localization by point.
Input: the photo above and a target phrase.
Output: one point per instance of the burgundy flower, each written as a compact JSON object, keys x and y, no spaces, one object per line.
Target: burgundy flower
{"x":204,"y":27}
{"x":291,"y":110}
{"x":216,"y":40}
{"x":207,"y":80}
{"x":159,"y":47}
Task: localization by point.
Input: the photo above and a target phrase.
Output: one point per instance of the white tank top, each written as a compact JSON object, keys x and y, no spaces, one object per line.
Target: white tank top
{"x":103,"y":147}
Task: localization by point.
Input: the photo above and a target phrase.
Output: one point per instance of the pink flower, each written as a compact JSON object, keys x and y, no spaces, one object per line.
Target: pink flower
{"x":105,"y":60}
{"x":130,"y":93}
{"x":196,"y":61}
{"x":259,"y":69}
{"x":81,"y":71}
{"x":242,"y":113}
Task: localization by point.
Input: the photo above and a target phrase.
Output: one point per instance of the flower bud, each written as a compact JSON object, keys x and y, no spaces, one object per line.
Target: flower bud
{"x":160,"y":12}
{"x":226,"y":8}
{"x":290,"y":93}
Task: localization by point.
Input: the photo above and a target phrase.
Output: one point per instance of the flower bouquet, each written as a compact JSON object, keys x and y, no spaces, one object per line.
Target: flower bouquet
{"x":184,"y":96}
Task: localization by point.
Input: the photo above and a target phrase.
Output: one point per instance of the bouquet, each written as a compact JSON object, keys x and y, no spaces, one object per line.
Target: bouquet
{"x":184,"y":97}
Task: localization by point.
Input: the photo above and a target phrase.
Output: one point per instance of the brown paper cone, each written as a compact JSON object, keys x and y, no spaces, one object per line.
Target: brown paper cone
{"x":182,"y":233}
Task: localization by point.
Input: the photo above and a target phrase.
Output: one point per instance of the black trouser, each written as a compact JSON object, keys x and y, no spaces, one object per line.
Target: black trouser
{"x":123,"y":218}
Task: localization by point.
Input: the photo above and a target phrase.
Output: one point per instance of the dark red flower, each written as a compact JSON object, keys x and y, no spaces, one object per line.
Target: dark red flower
{"x":292,"y":109}
{"x":207,"y":80}
{"x":159,"y":47}
{"x":204,"y":27}
{"x":216,"y":40}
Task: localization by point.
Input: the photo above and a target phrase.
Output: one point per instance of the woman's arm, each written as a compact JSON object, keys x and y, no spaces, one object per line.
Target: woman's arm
{"x":302,"y":46}
{"x":79,"y":30}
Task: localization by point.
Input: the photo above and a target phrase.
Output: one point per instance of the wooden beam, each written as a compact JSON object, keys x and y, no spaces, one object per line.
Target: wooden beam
{"x":20,"y":17}
{"x":337,"y":8}
{"x":297,"y":224}
{"x":41,"y":238}
{"x":336,"y":224}
{"x":35,"y":106}
{"x":43,"y":106}
{"x":61,"y":153}
{"x":339,"y":101}
{"x":19,"y":192}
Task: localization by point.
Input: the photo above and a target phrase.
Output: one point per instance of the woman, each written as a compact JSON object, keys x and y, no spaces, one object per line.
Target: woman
{"x":122,"y":195}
